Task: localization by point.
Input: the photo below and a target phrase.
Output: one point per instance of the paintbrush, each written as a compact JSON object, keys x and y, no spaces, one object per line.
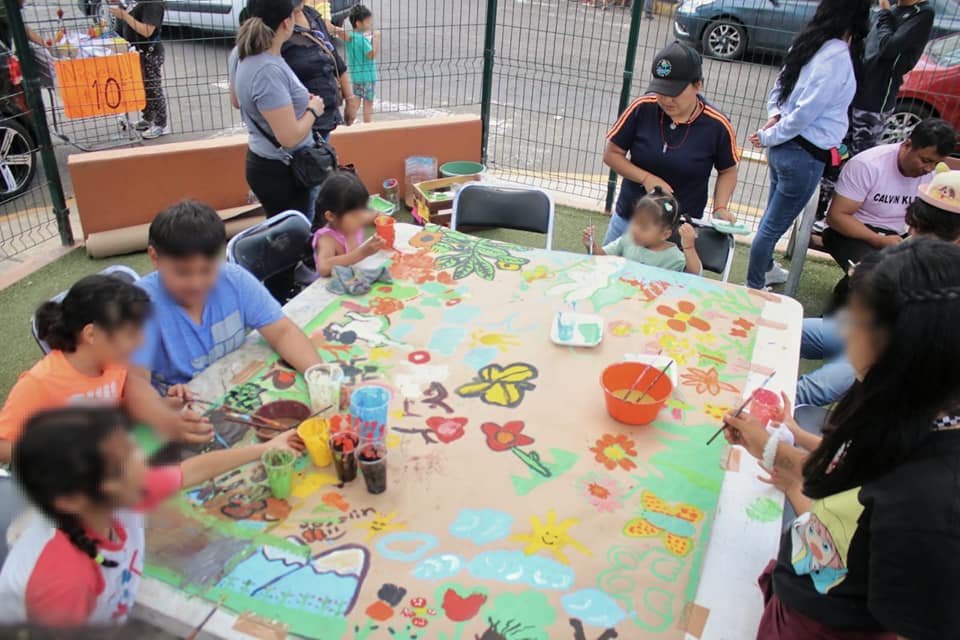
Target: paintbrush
{"x":196,"y":630}
{"x":640,"y":377}
{"x":254,"y":421}
{"x":742,"y":406}
{"x":315,"y":414}
{"x":591,"y":240}
{"x":650,"y":386}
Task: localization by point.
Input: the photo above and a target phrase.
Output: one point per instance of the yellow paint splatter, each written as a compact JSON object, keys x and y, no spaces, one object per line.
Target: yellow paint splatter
{"x":502,"y":341}
{"x":305,"y":485}
{"x":381,"y":524}
{"x":381,"y":353}
{"x":551,"y":536}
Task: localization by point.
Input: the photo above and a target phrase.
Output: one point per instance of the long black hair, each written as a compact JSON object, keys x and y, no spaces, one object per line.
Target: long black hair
{"x":833,"y":19}
{"x":59,"y":454}
{"x":913,"y":293}
{"x":104,"y":301}
{"x":663,"y":206}
{"x":340,"y":192}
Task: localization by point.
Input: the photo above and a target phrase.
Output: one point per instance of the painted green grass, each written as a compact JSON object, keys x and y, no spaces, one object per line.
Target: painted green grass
{"x":20,"y":299}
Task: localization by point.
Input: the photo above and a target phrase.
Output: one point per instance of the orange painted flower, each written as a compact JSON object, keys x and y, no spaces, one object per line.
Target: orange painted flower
{"x":615,"y":451}
{"x":706,"y":380}
{"x":385,"y":306}
{"x":682,"y":317}
{"x":417,"y":267}
{"x":741,"y":327}
{"x":425,"y":239}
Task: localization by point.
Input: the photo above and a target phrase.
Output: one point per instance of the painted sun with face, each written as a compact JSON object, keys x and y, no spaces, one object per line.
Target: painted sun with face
{"x":381,"y":524}
{"x":551,"y":536}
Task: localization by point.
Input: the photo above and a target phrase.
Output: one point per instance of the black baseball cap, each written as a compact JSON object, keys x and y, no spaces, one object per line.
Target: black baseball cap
{"x":674,"y":68}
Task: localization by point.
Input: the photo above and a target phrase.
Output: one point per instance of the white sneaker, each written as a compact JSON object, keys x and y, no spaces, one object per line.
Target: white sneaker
{"x":776,"y":275}
{"x":155,"y":132}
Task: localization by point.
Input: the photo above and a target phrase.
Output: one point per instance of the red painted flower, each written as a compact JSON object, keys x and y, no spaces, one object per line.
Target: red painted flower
{"x":682,"y":317}
{"x":506,"y":437}
{"x":447,"y":429}
{"x":419,"y":357}
{"x":385,"y":306}
{"x":460,"y":609}
{"x":418,"y":610}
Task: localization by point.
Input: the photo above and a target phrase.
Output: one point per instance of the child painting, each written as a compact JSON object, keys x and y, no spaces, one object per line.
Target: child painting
{"x":341,"y":216}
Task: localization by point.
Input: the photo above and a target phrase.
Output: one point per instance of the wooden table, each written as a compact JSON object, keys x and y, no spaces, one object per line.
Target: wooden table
{"x":526,"y":288}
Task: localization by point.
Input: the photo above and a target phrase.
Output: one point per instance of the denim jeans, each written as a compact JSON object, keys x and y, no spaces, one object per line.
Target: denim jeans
{"x":794,"y":174}
{"x":821,"y":341}
{"x":615,"y":229}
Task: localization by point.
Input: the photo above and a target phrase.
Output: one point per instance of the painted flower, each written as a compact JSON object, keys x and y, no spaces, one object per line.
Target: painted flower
{"x":540,"y":272}
{"x":506,"y":437}
{"x":741,"y":328}
{"x":419,"y":611}
{"x":385,"y":306}
{"x":682,"y":317}
{"x":621,"y":328}
{"x":706,"y":380}
{"x":380,"y":611}
{"x":419,"y":357}
{"x":505,"y":265}
{"x":502,"y":386}
{"x":716,"y":411}
{"x":418,"y":267}
{"x":602,"y":492}
{"x":447,"y":429}
{"x":381,"y":353}
{"x":615,"y":451}
{"x":425,"y":239}
{"x":653,"y":325}
{"x":459,"y":608}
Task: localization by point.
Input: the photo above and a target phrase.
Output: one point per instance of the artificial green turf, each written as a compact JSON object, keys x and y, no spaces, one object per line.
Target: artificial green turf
{"x":20,"y":299}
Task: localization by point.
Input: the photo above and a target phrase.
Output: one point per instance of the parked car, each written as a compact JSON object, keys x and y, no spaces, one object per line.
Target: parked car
{"x":932,"y":89}
{"x":18,"y":152}
{"x":728,"y":29}
{"x":216,"y":16}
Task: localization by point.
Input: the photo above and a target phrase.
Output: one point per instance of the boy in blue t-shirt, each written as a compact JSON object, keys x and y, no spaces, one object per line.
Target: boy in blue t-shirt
{"x":202,"y":308}
{"x":361,"y":57}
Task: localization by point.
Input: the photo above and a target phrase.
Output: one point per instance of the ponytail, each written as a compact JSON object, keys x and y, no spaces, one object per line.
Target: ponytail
{"x":104,"y":301}
{"x":61,"y":454}
{"x":254,"y":37}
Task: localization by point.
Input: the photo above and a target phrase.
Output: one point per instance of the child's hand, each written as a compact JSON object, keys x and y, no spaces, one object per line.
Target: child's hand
{"x":588,"y":237}
{"x":191,"y":427}
{"x":180,"y":392}
{"x":372,"y":245}
{"x":688,"y":235}
{"x":786,"y":481}
{"x":747,"y":432}
{"x":288,"y":440}
{"x":376,"y":34}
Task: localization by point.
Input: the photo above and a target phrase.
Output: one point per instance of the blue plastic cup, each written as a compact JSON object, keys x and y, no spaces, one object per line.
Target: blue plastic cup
{"x":369,"y":406}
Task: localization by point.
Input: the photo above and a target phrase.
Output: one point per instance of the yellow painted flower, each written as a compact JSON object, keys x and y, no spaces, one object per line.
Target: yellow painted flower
{"x":621,"y":328}
{"x":381,"y":353}
{"x":653,"y":325}
{"x":501,"y":386}
{"x":507,"y":266}
{"x":716,"y":411}
{"x":540,"y":272}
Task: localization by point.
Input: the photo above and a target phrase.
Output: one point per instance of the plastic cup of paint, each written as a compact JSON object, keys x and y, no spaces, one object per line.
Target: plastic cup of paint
{"x":343,"y":449}
{"x":315,"y":434}
{"x":369,"y":406}
{"x":386,"y":230}
{"x":372,"y":459}
{"x":766,"y":407}
{"x":324,"y":382}
{"x":279,"y":466}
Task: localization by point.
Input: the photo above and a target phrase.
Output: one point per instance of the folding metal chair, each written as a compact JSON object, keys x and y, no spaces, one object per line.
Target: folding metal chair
{"x":119,"y":271}
{"x":492,"y":207}
{"x":273,"y":251}
{"x":715,"y":250}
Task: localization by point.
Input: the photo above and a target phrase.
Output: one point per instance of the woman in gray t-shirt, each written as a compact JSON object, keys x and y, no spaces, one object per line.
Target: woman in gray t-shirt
{"x":277,"y":110}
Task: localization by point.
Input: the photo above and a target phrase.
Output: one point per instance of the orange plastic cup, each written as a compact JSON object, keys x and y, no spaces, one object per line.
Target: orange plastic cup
{"x":616,"y":381}
{"x":385,"y":229}
{"x":766,"y":406}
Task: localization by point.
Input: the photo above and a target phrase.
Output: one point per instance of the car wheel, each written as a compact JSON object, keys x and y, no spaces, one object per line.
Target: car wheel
{"x":906,"y":115}
{"x":725,"y":39}
{"x":17,"y":159}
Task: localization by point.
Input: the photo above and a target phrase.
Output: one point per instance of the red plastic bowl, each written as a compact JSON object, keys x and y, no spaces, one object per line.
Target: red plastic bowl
{"x":621,"y":377}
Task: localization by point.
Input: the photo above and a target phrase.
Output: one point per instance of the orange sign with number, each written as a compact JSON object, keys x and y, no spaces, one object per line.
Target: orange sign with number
{"x":101,"y":86}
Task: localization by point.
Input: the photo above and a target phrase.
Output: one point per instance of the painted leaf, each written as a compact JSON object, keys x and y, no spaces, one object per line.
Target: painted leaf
{"x":513,"y":260}
{"x":491,"y":250}
{"x":464,"y":269}
{"x":449,"y":261}
{"x":484,"y":269}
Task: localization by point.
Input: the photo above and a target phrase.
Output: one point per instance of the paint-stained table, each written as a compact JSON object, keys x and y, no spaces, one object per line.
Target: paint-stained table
{"x":516,"y":507}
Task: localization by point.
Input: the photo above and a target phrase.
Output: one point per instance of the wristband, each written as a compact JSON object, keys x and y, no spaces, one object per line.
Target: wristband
{"x":769,"y":457}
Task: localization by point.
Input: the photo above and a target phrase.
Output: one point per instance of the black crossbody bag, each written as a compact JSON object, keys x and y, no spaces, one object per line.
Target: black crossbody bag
{"x":310,"y":165}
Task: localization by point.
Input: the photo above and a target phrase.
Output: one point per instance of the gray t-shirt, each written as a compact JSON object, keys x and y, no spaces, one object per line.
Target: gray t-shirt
{"x":262,"y":83}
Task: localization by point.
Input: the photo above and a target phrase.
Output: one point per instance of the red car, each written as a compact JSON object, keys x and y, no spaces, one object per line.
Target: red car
{"x":932,"y":89}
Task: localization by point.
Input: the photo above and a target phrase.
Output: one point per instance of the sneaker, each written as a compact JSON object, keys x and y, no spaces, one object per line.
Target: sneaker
{"x":143,"y":125}
{"x":776,"y":275}
{"x":155,"y":132}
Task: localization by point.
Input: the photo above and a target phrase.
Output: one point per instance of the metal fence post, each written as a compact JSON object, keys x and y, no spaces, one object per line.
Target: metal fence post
{"x":31,"y":90}
{"x":628,"y":63}
{"x":489,"y":46}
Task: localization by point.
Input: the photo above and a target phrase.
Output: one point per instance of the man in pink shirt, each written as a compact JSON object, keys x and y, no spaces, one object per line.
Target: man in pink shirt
{"x":876,"y":187}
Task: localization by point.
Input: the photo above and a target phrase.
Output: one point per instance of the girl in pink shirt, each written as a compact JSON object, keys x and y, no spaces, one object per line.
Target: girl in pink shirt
{"x":342,"y":212}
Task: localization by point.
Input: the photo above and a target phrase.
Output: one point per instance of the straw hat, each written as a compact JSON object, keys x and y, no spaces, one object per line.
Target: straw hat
{"x":943,"y":192}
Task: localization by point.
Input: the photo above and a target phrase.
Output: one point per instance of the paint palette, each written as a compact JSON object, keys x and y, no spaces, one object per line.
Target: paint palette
{"x":380,"y":204}
{"x":576,"y":329}
{"x":732,"y":228}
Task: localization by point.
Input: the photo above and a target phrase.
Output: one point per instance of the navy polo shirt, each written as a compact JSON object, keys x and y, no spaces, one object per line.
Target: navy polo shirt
{"x":683,"y":157}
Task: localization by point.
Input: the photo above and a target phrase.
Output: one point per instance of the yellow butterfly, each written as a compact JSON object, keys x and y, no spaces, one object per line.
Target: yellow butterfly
{"x":674,"y":523}
{"x":502,"y":386}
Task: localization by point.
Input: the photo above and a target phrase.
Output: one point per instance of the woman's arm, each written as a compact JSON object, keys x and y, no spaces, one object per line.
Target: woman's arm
{"x":616,"y":158}
{"x":142,"y":28}
{"x":722,"y":192}
{"x":286,"y":127}
{"x":351,"y":102}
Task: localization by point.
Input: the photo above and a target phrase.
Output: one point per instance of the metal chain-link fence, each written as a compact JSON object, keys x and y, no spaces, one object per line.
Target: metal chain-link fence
{"x":555,"y":74}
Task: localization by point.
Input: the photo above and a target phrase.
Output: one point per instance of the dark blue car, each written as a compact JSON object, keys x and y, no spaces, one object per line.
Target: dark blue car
{"x":728,"y":29}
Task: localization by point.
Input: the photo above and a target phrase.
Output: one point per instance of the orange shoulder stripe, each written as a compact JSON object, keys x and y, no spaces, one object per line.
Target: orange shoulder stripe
{"x":716,"y":115}
{"x":627,"y":112}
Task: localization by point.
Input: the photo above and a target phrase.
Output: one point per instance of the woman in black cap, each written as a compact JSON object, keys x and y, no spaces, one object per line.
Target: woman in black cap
{"x":274,"y":104}
{"x":673,"y":139}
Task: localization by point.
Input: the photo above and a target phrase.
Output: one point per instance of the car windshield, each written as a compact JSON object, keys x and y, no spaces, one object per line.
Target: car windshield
{"x":945,"y":52}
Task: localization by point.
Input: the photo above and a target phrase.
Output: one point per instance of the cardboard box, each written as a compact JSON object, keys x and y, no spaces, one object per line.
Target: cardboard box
{"x":433,"y":199}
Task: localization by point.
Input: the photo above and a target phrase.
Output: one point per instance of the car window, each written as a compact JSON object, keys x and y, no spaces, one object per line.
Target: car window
{"x":945,"y":52}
